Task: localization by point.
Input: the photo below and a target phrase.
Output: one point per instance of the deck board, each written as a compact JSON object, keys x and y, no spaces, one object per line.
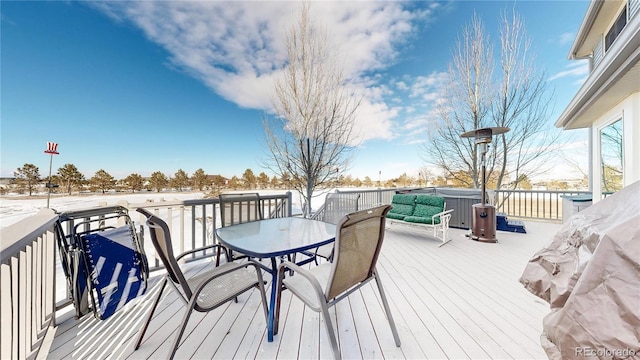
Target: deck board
{"x":461,"y":300}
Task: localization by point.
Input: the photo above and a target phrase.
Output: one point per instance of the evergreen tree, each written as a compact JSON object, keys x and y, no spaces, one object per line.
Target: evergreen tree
{"x":27,"y":177}
{"x":133,"y":182}
{"x":102,"y":180}
{"x":234,"y":183}
{"x":263,"y":180}
{"x":275,"y":182}
{"x":158,"y":181}
{"x":180,"y":180}
{"x":199,"y":180}
{"x":249,"y":179}
{"x":70,"y":177}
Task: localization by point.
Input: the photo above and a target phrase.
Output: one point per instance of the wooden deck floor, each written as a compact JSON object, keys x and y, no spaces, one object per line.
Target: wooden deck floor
{"x":462,"y":300}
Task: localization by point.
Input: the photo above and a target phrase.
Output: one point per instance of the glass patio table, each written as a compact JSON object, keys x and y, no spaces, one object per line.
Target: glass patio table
{"x":273,"y":239}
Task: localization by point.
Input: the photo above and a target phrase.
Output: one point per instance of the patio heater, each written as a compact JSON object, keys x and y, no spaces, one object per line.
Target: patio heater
{"x":483,"y":221}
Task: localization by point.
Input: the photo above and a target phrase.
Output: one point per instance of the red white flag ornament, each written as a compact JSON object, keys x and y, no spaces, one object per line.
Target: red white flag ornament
{"x":52,"y":148}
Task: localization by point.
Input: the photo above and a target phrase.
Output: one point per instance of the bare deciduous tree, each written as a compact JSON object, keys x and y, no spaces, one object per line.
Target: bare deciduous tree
{"x":522,"y":105}
{"x":311,"y":136}
{"x":467,"y":106}
{"x":516,"y":98}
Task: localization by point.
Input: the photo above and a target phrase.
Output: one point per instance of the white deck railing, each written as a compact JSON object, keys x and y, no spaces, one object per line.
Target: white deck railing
{"x":27,"y":277}
{"x":28,"y":258}
{"x":192,"y":223}
{"x":29,"y":297}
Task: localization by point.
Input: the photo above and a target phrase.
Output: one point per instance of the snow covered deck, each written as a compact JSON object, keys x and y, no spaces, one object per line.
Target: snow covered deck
{"x":462,"y":300}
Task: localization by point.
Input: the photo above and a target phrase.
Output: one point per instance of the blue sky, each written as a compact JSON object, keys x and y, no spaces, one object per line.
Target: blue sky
{"x":159,"y":86}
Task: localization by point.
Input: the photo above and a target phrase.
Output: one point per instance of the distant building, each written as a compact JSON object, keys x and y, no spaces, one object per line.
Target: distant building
{"x":608,"y":103}
{"x":219,"y":177}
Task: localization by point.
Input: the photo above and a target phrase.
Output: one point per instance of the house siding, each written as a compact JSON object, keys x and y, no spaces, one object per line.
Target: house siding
{"x":634,"y":7}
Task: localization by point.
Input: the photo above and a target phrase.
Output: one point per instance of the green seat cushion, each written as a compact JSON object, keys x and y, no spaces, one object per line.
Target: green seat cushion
{"x":391,"y":215}
{"x":423,"y":214}
{"x":421,"y":220}
{"x":401,"y":209}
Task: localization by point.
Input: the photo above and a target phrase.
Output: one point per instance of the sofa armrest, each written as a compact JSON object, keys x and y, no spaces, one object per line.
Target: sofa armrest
{"x":441,"y":214}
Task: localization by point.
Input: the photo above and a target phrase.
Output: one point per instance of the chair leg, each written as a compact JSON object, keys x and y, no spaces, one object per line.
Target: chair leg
{"x":183,"y":326}
{"x":263,"y":295}
{"x":153,"y":309}
{"x":392,"y":323}
{"x":332,"y":334}
{"x":218,"y":254}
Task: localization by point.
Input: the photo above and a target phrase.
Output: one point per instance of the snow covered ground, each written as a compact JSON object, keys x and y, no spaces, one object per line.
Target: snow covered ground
{"x":13,"y":208}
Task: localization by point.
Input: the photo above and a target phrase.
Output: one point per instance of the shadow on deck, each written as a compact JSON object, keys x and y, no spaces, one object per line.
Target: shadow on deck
{"x":462,"y":300}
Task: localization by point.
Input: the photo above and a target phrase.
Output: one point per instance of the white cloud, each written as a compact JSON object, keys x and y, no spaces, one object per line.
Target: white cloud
{"x":564,"y":38}
{"x":374,"y":121}
{"x":429,"y":87}
{"x":237,"y":48}
{"x":573,"y":69}
{"x":401,"y":85}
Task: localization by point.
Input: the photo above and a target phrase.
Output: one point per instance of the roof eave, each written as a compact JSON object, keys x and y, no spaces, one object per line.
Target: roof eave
{"x":604,"y":78}
{"x":585,"y":27}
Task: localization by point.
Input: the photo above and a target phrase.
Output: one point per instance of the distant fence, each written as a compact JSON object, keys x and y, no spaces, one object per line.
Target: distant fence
{"x":372,"y":198}
{"x":528,"y":204}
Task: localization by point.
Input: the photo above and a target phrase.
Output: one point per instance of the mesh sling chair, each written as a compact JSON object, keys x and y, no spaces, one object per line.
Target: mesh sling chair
{"x":358,"y":241}
{"x":239,"y":209}
{"x":207,"y":289}
{"x":336,"y":206}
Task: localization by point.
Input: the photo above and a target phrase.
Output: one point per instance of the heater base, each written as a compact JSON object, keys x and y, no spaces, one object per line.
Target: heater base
{"x":483,"y":226}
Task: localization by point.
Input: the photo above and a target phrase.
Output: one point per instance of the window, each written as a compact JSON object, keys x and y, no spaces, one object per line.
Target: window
{"x":611,"y":157}
{"x":615,"y":29}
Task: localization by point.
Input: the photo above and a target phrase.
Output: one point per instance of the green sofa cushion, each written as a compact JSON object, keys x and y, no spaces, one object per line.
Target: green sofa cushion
{"x":391,"y":215}
{"x":401,"y":209}
{"x":431,"y":200}
{"x":426,"y":207}
{"x":423,"y":214}
{"x":421,"y":220}
{"x":406,"y":199}
{"x":402,"y":205}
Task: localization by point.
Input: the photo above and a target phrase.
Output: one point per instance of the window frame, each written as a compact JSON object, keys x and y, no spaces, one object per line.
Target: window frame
{"x":621,"y":20}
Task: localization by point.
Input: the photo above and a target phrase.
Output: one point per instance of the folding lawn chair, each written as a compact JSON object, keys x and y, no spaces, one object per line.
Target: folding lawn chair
{"x":102,"y":258}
